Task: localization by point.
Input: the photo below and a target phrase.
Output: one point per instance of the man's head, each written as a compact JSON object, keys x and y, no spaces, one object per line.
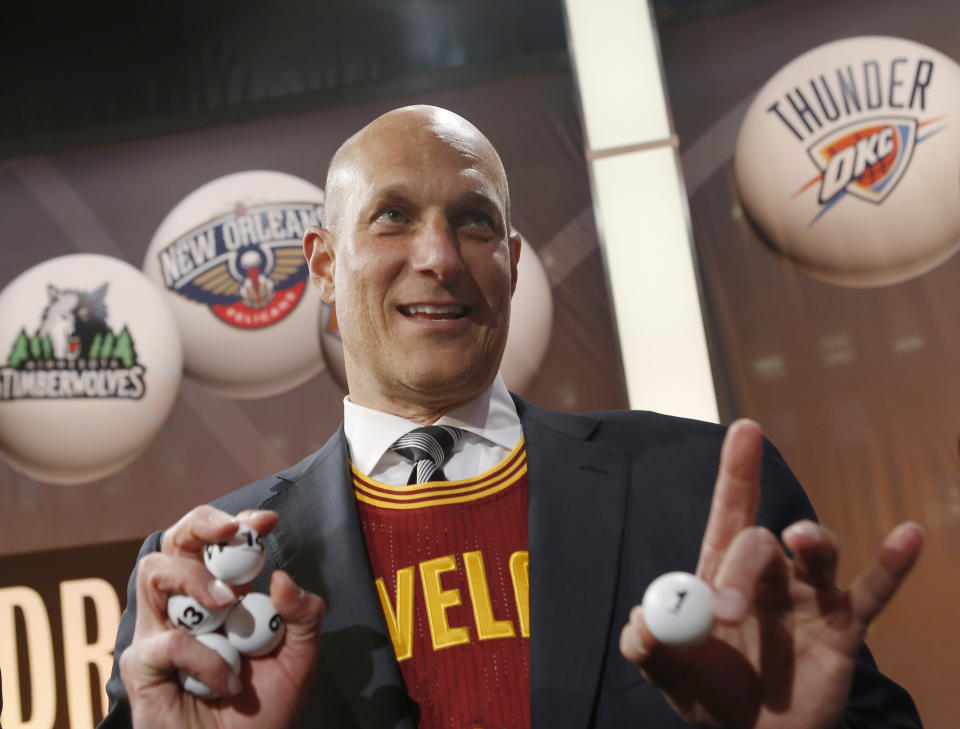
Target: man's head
{"x":416,"y":253}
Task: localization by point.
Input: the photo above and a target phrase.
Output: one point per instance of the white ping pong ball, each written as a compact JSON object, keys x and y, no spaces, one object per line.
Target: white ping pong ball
{"x":678,"y":609}
{"x":188,"y":614}
{"x":237,"y":560}
{"x":227,"y":652}
{"x":254,"y":626}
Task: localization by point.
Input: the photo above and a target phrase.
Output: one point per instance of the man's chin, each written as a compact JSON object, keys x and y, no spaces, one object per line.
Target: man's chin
{"x":432,"y":384}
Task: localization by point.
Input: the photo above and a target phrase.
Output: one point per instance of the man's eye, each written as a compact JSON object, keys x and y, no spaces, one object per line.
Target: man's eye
{"x":478,"y":219}
{"x":392,"y":215}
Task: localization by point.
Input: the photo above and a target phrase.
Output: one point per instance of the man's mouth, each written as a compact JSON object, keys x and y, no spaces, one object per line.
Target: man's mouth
{"x":434,"y":311}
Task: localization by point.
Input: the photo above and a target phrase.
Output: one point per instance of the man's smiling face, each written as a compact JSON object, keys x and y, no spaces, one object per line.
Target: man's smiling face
{"x":421,"y":263}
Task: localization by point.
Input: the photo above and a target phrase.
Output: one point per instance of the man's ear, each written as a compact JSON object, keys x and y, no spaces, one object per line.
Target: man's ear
{"x":321,"y":260}
{"x":514,"y":242}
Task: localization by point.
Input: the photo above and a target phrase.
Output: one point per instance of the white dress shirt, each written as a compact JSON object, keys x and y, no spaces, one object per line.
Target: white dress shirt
{"x":491,"y":431}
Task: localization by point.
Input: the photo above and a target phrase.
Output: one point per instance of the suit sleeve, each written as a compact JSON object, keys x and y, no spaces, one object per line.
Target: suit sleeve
{"x":118,"y":715}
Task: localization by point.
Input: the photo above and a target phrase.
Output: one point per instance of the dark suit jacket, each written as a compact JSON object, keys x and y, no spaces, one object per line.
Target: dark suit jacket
{"x":616,"y":499}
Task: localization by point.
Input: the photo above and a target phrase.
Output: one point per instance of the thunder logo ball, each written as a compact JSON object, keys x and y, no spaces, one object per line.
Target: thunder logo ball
{"x":229,"y":260}
{"x":848,"y":160}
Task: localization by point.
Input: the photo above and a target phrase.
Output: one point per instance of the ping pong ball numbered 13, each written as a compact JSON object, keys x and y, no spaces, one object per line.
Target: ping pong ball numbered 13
{"x":678,"y":609}
{"x":221,"y":645}
{"x":237,"y":560}
{"x":188,"y":614}
{"x":254,"y":626}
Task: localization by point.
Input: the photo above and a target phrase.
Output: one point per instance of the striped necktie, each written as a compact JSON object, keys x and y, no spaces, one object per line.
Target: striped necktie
{"x":427,"y":449}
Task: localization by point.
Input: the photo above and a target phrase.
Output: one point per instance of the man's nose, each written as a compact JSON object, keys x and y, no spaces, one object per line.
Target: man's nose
{"x":437,"y":250}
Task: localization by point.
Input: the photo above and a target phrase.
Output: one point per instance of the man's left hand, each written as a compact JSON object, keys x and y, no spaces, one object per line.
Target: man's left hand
{"x":785,"y":640}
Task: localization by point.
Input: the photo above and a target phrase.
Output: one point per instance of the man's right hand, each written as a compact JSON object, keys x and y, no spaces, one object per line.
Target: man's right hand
{"x":269,"y":692}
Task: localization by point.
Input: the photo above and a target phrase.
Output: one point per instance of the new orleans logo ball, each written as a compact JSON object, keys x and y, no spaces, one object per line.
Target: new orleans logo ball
{"x":90,"y":364}
{"x":848,"y":160}
{"x":229,"y":259}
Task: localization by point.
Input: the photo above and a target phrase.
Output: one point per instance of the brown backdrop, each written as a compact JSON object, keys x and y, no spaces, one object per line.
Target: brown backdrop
{"x":858,"y":387}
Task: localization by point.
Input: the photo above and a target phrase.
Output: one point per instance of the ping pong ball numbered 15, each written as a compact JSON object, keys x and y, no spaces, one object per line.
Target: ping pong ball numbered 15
{"x":227,"y":652}
{"x":188,"y":614}
{"x":253,"y":626}
{"x":678,"y":609}
{"x":237,"y":560}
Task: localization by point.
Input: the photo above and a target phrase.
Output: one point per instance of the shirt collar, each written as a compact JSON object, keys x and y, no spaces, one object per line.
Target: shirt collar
{"x":370,"y":433}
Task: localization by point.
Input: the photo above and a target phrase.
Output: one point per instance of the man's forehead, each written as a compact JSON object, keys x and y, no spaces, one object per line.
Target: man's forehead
{"x":422,"y":146}
{"x":468,"y":189}
{"x":414,"y":137}
{"x":424,"y":120}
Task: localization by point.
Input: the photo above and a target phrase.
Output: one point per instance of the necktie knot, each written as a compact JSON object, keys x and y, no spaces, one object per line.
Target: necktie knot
{"x":427,"y":449}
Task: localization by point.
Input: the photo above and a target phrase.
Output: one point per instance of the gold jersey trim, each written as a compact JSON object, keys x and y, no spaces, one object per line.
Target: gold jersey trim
{"x":438,"y":493}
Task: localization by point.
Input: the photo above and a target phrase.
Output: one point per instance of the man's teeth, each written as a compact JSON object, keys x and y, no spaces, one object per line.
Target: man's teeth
{"x":450,"y":310}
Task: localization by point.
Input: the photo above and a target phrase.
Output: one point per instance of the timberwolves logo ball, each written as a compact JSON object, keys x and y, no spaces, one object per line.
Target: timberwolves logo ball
{"x":848,"y":160}
{"x":91,"y":365}
{"x":531,"y":319}
{"x":230,"y":261}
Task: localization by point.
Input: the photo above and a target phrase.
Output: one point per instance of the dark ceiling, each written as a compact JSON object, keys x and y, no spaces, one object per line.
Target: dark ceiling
{"x":73,"y":73}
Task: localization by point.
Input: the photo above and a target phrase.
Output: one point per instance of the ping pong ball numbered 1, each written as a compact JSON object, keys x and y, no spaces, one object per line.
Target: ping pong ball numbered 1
{"x":254,"y":626}
{"x":678,"y":609}
{"x":227,"y":652}
{"x":237,"y":560}
{"x":188,"y":614}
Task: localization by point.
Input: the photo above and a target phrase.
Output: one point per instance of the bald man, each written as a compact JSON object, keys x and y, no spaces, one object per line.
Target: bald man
{"x":492,"y":578}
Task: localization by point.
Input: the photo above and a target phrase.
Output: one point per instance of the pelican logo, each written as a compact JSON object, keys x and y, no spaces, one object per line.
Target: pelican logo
{"x":247,"y":266}
{"x":834,"y":166}
{"x":73,"y":353}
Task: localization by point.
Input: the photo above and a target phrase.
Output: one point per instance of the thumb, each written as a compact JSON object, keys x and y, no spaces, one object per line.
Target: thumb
{"x":663,"y":666}
{"x":636,"y":641}
{"x":301,"y":610}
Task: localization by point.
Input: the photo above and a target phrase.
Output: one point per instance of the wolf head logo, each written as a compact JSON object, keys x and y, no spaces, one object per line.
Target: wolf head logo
{"x":72,"y":319}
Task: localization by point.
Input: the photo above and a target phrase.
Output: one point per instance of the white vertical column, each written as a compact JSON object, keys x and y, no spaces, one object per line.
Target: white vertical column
{"x":641,"y":207}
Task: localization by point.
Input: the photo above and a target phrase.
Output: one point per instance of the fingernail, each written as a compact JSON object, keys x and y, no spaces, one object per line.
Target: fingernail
{"x":805,"y":528}
{"x":234,"y":685}
{"x":902,"y":532}
{"x":221,"y":518}
{"x":729,"y":605}
{"x":220,"y":592}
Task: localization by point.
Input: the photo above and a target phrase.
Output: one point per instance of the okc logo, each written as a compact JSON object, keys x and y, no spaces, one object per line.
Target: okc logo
{"x":246,"y":266}
{"x":864,"y":159}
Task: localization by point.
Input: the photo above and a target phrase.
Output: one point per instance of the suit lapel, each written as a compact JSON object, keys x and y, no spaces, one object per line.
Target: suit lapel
{"x":320,"y":543}
{"x":577,"y":491}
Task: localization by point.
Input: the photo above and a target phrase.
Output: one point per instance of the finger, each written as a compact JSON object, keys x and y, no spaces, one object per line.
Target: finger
{"x":872,"y":589}
{"x":160,"y":575}
{"x":636,"y":641}
{"x":301,"y":610}
{"x":753,"y":565}
{"x":735,"y":495}
{"x":206,"y":524}
{"x":815,"y":553}
{"x":153,"y":661}
{"x":197,"y":527}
